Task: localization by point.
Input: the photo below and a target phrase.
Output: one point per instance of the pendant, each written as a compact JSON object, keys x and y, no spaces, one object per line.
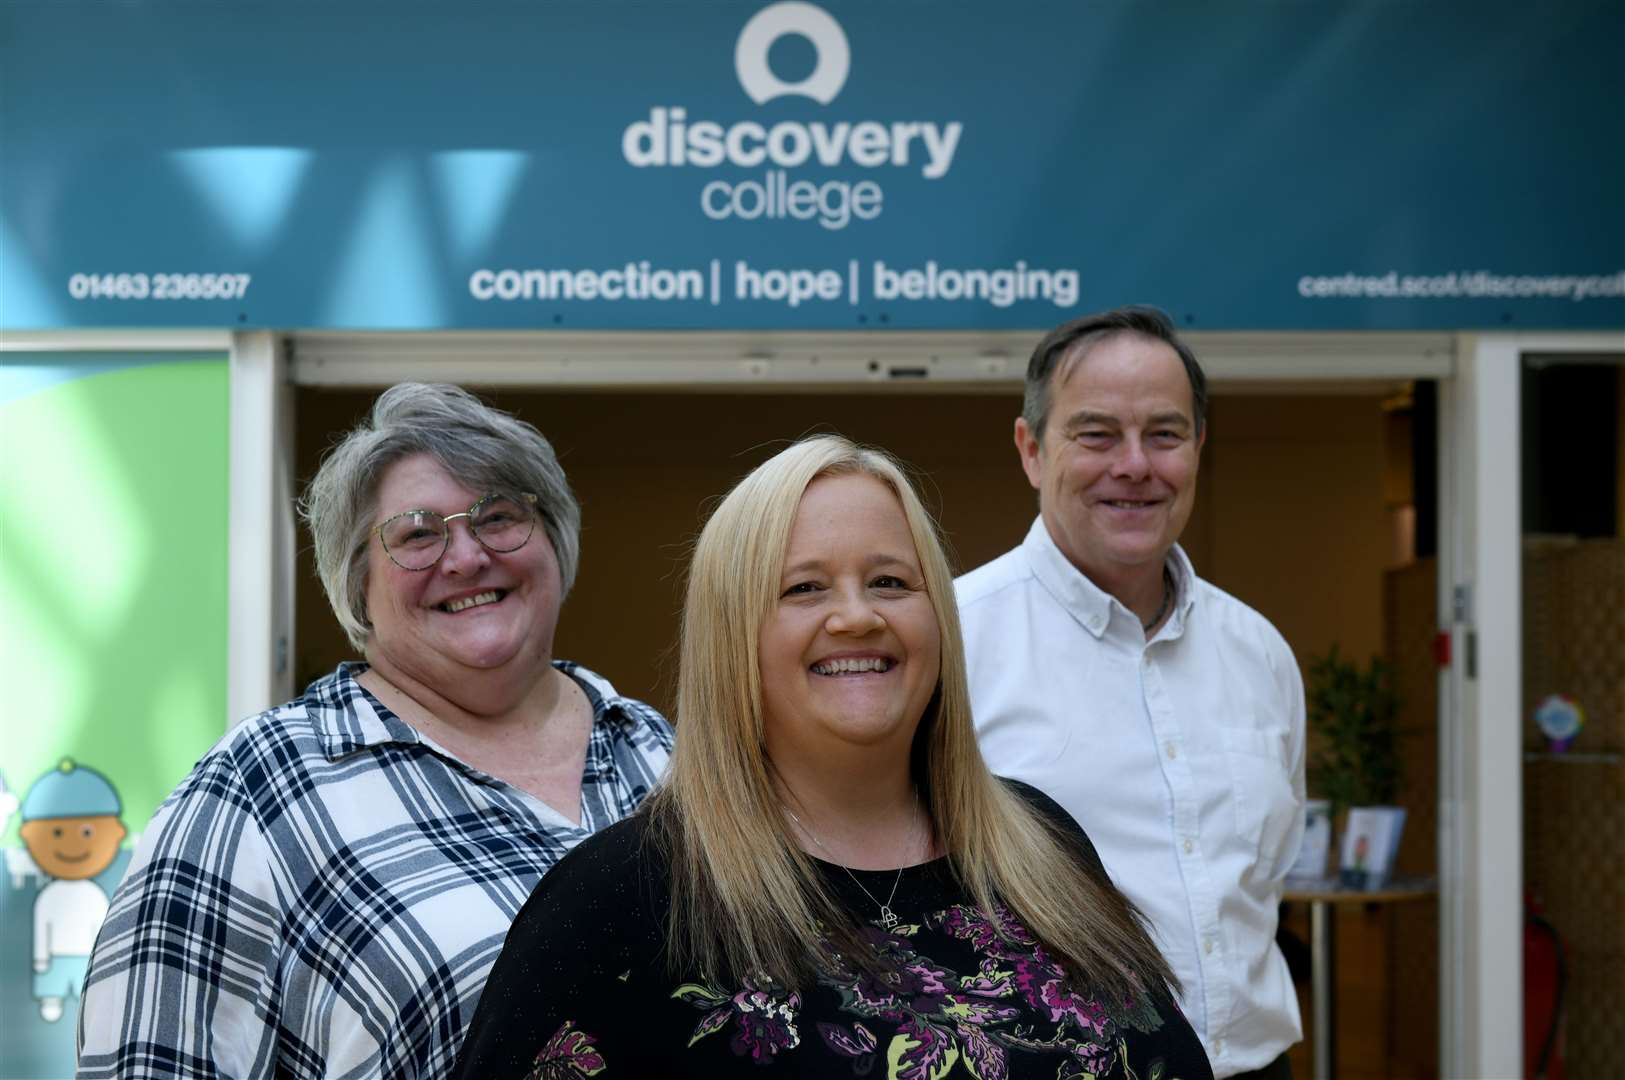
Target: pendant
{"x":887,"y":918}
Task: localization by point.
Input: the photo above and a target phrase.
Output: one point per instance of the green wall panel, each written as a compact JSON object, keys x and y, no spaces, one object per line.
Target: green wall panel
{"x":113,"y":546}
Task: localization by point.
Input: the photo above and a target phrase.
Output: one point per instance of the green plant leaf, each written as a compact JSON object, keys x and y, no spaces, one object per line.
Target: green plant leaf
{"x":1354,"y":743}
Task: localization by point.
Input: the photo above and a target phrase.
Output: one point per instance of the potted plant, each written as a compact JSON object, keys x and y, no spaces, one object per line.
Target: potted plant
{"x":1354,"y":761}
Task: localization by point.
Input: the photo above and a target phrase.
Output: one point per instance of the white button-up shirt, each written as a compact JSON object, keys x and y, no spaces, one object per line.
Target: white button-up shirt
{"x":1182,"y":757}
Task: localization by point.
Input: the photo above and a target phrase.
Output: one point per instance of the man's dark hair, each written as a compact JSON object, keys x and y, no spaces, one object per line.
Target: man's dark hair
{"x":1080,"y":335}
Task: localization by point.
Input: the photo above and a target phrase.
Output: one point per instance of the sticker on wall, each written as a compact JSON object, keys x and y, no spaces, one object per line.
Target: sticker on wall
{"x":72,"y":830}
{"x":1560,"y":719}
{"x":55,"y":893}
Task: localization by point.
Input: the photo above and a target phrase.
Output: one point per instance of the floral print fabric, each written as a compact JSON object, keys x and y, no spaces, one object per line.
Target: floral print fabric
{"x":1016,"y":999}
{"x":582,"y":990}
{"x":568,"y":1055}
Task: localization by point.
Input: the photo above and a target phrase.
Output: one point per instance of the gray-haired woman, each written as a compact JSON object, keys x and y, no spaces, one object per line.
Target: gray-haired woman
{"x":326,"y":892}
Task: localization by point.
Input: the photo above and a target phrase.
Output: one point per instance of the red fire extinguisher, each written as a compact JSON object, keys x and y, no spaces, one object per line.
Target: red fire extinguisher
{"x":1545,"y":979}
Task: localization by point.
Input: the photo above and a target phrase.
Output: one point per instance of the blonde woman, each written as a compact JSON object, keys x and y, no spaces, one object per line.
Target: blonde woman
{"x":829,"y":882}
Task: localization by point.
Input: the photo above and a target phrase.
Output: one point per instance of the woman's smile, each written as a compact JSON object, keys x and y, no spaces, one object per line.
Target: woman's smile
{"x":474,"y":607}
{"x":850,"y":652}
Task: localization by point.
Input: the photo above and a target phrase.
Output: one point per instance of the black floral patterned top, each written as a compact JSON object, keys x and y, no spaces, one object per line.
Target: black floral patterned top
{"x":582,"y":990}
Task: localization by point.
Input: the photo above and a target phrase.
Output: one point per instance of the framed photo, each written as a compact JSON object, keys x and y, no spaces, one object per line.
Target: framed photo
{"x":1370,"y":843}
{"x":1310,"y":865}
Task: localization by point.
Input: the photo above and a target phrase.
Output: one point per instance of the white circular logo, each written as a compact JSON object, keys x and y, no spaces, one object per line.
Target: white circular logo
{"x":792,"y":17}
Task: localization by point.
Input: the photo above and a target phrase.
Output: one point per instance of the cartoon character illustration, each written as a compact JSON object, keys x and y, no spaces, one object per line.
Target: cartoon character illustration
{"x":72,"y":829}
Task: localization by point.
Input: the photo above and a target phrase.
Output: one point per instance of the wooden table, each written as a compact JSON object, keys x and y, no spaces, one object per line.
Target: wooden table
{"x":1323,"y":896}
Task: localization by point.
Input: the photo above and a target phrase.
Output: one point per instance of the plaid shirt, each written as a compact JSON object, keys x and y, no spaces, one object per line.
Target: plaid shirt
{"x":324,"y":895}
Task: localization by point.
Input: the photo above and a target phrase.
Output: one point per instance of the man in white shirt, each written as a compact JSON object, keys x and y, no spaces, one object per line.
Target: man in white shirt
{"x":1164,"y":714}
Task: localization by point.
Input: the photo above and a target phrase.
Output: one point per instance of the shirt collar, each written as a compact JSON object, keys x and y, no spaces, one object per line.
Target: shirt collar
{"x":347,"y":718}
{"x":1184,"y":581}
{"x":1089,"y":603}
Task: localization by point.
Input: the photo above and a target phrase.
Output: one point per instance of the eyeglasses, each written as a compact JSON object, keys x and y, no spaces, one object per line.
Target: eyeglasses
{"x":416,"y":539}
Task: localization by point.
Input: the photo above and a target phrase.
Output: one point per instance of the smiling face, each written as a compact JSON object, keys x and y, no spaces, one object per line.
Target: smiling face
{"x":1116,"y":469}
{"x":476,"y":609}
{"x":73,"y":848}
{"x":851,"y":651}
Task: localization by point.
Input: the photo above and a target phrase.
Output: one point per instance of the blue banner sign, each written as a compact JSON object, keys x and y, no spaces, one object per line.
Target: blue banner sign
{"x":712,"y":164}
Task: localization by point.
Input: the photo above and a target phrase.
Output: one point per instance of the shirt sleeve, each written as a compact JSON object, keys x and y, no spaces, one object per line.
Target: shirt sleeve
{"x":1297,"y":746}
{"x":561,"y":994}
{"x":181,"y":982}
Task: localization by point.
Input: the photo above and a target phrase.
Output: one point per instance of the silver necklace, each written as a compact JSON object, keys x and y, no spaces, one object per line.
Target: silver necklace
{"x":1167,"y":600}
{"x":888,"y":918}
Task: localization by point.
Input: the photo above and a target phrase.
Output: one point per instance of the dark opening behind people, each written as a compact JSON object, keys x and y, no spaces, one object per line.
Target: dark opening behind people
{"x":828,"y":878}
{"x":324,"y":894}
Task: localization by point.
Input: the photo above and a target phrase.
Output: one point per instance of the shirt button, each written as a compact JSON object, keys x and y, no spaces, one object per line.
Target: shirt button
{"x":1145,"y":658}
{"x":1173,"y":750}
{"x":1190,"y":846}
{"x":1207,"y":946}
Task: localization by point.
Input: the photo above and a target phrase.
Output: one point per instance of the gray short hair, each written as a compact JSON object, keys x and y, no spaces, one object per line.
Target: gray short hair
{"x":484,"y":449}
{"x":1077,"y":337}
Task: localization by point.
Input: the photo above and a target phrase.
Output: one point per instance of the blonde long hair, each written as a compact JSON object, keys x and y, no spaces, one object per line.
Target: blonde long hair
{"x":745,"y":898}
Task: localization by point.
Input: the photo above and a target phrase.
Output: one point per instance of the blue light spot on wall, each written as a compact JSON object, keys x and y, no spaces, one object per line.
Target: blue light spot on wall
{"x":393,"y":231}
{"x":249,"y":188}
{"x":475,"y":188}
{"x":19,"y":379}
{"x":23,"y":373}
{"x":24,"y":299}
